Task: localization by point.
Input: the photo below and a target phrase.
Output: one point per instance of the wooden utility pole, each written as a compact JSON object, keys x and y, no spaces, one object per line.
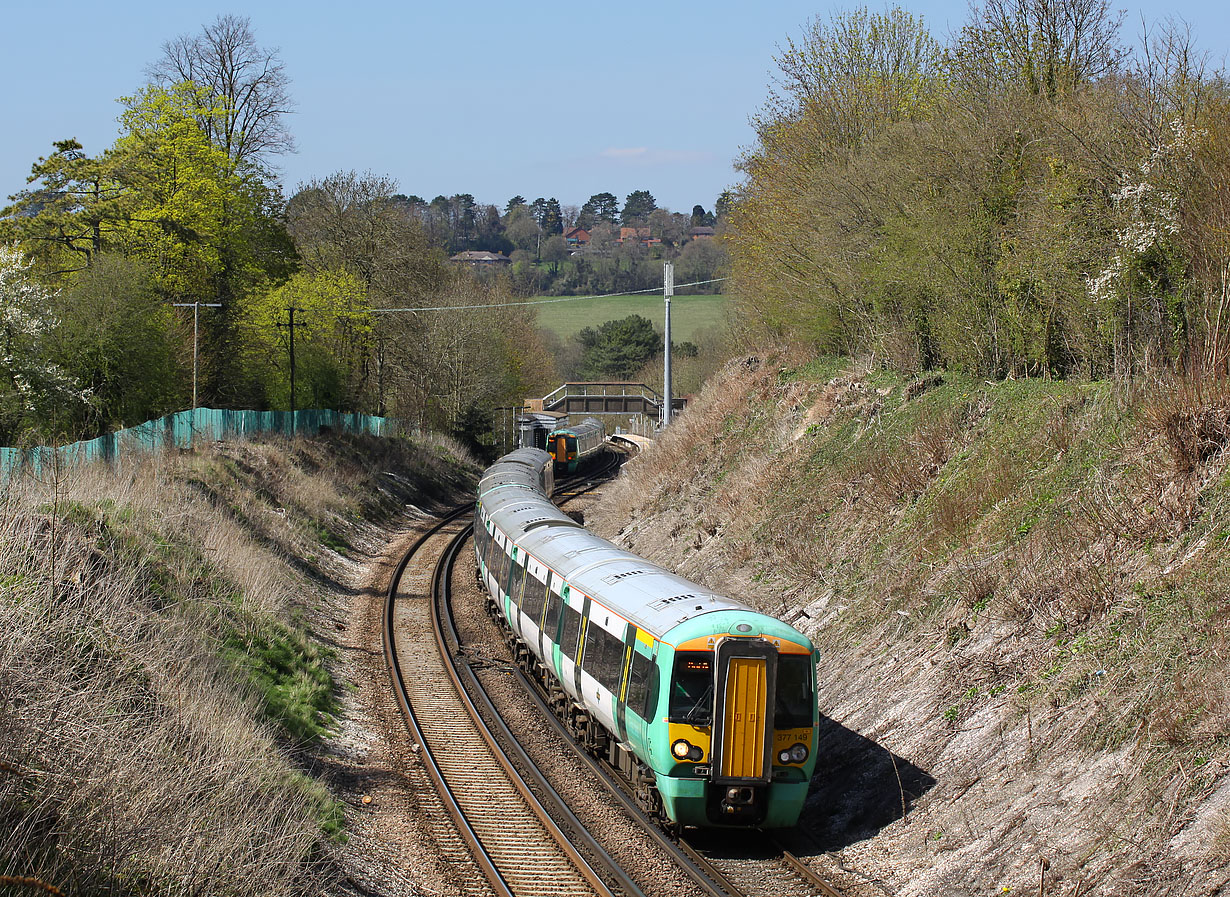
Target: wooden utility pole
{"x":196,"y":311}
{"x":291,"y":325}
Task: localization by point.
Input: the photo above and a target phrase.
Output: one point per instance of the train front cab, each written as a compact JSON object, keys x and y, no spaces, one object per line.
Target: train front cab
{"x":563,"y":449}
{"x":732,"y":761}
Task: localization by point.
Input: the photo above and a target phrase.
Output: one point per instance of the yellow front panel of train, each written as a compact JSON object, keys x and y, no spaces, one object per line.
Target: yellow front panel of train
{"x":744,"y":727}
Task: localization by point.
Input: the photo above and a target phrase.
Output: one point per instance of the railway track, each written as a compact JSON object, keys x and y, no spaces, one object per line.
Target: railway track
{"x":521,"y":833}
{"x":513,"y":837}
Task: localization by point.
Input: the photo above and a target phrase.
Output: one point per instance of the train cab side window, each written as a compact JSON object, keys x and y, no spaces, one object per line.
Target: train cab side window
{"x":551,"y":622}
{"x":796,"y":702}
{"x":638,"y":685}
{"x":535,"y":596}
{"x":571,"y":629}
{"x":692,"y":688}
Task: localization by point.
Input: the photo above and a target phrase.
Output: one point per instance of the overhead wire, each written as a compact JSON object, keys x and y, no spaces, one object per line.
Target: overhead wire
{"x":695,"y":283}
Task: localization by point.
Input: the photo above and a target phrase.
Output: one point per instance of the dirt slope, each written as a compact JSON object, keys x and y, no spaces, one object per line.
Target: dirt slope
{"x":1020,"y":594}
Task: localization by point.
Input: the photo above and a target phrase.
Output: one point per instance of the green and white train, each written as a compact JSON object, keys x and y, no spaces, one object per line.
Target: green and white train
{"x":707,"y":706}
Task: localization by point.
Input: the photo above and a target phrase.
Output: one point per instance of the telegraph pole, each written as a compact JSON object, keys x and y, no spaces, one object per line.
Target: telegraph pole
{"x":196,"y":311}
{"x":290,"y":309}
{"x":668,"y":290}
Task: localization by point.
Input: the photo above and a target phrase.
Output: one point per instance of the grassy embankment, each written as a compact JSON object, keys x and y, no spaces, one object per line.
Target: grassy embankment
{"x":161,"y":682}
{"x":1018,"y":588}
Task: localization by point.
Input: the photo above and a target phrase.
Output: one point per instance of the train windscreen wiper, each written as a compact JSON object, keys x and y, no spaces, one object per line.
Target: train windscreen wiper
{"x":692,"y":717}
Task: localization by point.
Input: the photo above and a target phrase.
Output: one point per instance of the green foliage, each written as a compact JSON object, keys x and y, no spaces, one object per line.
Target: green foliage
{"x":637,"y":207}
{"x":997,"y":206}
{"x":601,"y":207}
{"x":288,"y":670}
{"x":332,"y":328}
{"x":617,"y":349}
{"x":37,"y":395}
{"x":116,"y":336}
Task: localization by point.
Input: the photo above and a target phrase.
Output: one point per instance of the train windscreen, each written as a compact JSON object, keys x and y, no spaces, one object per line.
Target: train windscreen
{"x":795,"y":700}
{"x":692,"y":688}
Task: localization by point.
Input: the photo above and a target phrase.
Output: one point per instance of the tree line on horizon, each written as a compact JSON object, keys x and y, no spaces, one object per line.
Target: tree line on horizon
{"x":1030,"y":197}
{"x":543,"y":262}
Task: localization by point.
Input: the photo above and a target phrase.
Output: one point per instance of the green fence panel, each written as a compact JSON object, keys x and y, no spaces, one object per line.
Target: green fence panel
{"x":184,"y":428}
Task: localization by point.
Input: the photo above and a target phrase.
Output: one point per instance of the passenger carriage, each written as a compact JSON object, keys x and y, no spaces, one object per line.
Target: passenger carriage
{"x":572,"y":446}
{"x":706,"y":705}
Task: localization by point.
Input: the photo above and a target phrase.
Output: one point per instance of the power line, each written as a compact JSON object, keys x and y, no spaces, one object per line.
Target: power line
{"x":695,"y":283}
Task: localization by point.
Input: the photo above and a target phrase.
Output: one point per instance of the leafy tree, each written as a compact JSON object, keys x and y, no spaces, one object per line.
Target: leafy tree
{"x":37,"y":396}
{"x":331,"y":340}
{"x":522,"y":230}
{"x":547,"y":214}
{"x":669,"y":227}
{"x":73,"y":211}
{"x":514,"y":203}
{"x":120,"y":340}
{"x":601,"y":207}
{"x":554,"y":251}
{"x":846,"y":80}
{"x":245,"y":88}
{"x":725,"y":202}
{"x":617,"y":349}
{"x":552,"y":221}
{"x":184,"y":201}
{"x":637,"y":207}
{"x":348,"y":221}
{"x":701,"y":260}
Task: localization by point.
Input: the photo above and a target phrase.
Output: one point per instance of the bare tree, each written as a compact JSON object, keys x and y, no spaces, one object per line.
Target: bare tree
{"x":1049,"y":46}
{"x":247,"y":80}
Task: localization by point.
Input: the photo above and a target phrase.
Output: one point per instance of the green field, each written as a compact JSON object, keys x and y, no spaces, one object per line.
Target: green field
{"x":689,"y":314}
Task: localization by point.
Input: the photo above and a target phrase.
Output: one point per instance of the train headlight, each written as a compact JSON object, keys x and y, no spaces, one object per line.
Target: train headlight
{"x":798,"y":753}
{"x":681,"y":749}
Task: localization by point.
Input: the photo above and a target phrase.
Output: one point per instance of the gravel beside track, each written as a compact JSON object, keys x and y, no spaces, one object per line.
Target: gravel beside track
{"x":529,"y":860}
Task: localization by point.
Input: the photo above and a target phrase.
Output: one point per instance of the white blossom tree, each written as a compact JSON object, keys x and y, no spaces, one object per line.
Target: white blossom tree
{"x":36,"y":395}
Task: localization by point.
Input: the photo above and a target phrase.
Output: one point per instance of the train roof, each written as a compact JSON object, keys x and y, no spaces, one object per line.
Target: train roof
{"x":652,"y":597}
{"x":589,"y":425}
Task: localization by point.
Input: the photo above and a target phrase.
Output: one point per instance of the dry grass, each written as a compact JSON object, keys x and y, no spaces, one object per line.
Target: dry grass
{"x":1055,"y":552}
{"x":153,"y":680}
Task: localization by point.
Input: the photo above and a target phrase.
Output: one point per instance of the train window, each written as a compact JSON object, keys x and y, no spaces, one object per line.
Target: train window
{"x":535,"y":597}
{"x":638,"y":684}
{"x":517,"y":581}
{"x":795,"y":702}
{"x":551,"y":622}
{"x":572,"y":628}
{"x":692,"y":688}
{"x":501,"y":567}
{"x":481,"y":539}
{"x":603,"y":657}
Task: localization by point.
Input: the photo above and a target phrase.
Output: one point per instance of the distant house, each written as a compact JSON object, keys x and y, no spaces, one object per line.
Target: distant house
{"x":638,"y":233}
{"x":577,"y":237}
{"x":701,"y":233}
{"x":481,"y":258}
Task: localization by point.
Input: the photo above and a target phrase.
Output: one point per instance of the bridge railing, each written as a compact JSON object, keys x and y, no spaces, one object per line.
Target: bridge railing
{"x":598,"y":388}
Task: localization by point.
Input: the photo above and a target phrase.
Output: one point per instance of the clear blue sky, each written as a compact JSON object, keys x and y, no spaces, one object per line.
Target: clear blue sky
{"x":493,"y":99}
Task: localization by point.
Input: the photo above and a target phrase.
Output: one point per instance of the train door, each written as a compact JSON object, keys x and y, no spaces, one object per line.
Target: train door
{"x":745,"y":687}
{"x":745,"y":684}
{"x":640,"y":693}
